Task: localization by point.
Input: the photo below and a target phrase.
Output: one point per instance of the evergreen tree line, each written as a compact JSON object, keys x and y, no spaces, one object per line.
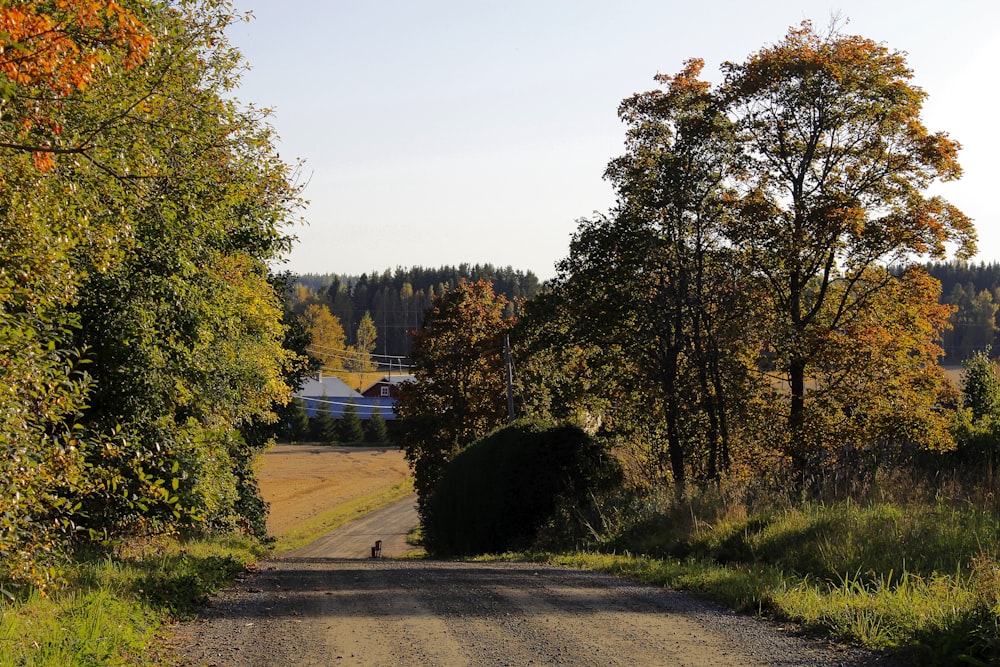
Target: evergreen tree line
{"x":350,"y":429}
{"x":974,"y":291}
{"x":397,"y":300}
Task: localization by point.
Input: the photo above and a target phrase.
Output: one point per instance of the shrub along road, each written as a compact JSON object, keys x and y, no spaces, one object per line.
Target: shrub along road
{"x":331,"y":604}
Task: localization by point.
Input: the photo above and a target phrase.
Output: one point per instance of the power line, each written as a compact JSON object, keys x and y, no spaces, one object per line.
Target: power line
{"x":352,"y":354}
{"x":354,"y":402}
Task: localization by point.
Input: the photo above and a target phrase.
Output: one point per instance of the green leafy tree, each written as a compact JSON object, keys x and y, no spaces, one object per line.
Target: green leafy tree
{"x":49,"y":54}
{"x":459,"y":391}
{"x":656,"y":278}
{"x":981,"y":385}
{"x":835,"y":164}
{"x":349,"y":428}
{"x":181,"y":317}
{"x":562,"y":374}
{"x":138,"y":242}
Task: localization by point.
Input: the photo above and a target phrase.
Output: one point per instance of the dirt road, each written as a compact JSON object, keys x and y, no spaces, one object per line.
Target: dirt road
{"x":328,"y":604}
{"x":390,"y":525}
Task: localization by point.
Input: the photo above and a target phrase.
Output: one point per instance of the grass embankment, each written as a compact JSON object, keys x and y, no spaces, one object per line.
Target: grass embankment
{"x":114,"y":607}
{"x":919,"y":579}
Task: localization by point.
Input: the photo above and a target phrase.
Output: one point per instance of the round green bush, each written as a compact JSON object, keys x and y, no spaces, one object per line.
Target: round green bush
{"x":498,"y":493}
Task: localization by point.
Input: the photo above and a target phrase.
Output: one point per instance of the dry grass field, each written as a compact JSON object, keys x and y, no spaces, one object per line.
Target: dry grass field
{"x":314,"y":488}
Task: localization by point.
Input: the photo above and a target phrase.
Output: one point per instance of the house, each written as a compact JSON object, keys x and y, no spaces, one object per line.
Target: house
{"x":327,"y":389}
{"x":387,"y":387}
{"x":337,"y":395}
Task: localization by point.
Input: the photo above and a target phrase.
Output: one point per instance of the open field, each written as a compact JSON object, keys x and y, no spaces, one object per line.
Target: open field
{"x":315,"y":488}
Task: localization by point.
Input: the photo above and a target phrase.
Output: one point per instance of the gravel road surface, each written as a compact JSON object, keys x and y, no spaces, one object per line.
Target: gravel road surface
{"x":331,"y":604}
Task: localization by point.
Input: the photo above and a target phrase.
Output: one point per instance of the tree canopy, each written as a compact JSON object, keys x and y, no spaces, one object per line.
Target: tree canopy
{"x":141,"y":335}
{"x":836,"y":162}
{"x":458,"y":395}
{"x":749,"y":252}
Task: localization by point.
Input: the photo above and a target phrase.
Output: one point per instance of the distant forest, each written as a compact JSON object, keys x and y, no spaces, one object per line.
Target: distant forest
{"x":397,"y":299}
{"x":975,"y":290}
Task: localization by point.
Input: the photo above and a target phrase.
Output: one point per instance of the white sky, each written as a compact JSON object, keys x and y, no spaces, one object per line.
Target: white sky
{"x":449,"y":131}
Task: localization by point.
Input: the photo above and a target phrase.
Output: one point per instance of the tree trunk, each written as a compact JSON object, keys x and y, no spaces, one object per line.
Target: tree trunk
{"x":796,"y":415}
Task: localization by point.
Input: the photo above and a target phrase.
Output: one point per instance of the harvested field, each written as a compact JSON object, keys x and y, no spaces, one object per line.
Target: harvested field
{"x":304,"y":482}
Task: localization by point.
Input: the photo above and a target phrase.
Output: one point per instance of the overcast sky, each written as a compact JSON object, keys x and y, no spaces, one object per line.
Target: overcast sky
{"x":478,"y":131}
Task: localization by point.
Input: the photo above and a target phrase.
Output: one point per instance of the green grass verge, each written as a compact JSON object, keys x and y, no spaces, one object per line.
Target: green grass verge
{"x":323,"y":523}
{"x":921,"y":581}
{"x":940,"y":621}
{"x":115,"y":609}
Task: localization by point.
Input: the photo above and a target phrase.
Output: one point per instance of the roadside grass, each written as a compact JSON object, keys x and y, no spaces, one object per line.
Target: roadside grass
{"x":117,"y":607}
{"x":919,"y":579}
{"x":307,"y":531}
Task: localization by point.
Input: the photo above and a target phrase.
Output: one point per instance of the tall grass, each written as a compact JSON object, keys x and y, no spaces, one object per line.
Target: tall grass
{"x":901,"y":565}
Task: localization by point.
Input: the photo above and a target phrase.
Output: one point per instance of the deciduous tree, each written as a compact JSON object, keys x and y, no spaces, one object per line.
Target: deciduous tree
{"x":459,"y":391}
{"x":981,"y":385}
{"x":49,"y":52}
{"x":366,"y":337}
{"x":329,"y":343}
{"x":836,"y":163}
{"x":878,"y":390}
{"x":144,"y":252}
{"x":655,"y":276}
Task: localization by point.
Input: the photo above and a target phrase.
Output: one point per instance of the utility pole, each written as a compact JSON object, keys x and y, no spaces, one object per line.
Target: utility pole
{"x":510,"y":380}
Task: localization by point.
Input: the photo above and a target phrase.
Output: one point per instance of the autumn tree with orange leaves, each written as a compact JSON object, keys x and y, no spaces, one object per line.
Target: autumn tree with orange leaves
{"x":835,"y":165}
{"x":49,"y":52}
{"x":745,"y":270}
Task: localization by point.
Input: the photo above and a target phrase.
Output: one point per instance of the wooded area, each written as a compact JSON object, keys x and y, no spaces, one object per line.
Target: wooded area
{"x":974,"y":291}
{"x":142,"y":338}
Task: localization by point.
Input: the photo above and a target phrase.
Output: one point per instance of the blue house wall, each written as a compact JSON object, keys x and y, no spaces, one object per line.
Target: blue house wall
{"x":365,"y":407}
